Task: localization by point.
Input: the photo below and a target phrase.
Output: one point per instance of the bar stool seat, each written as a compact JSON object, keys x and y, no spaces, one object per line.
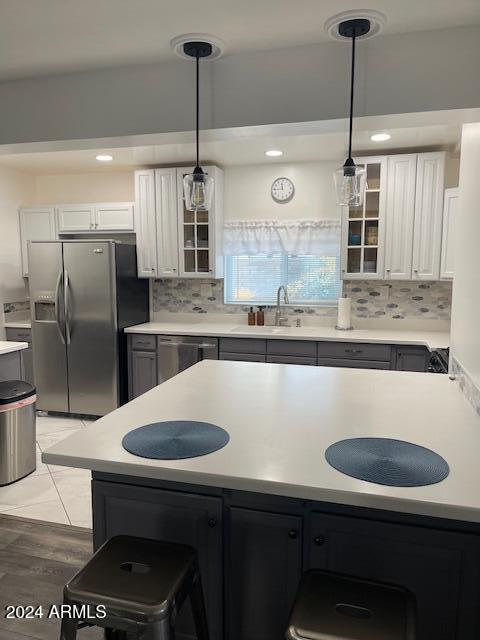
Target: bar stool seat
{"x":142,"y":584}
{"x":330,"y":606}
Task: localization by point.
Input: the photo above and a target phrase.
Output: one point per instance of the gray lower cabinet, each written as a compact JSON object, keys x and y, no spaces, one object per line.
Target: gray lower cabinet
{"x":292,"y":360}
{"x":10,"y":366}
{"x":441,"y":569}
{"x":253,"y":549}
{"x":142,"y":373}
{"x":186,"y":518}
{"x":411,"y":358}
{"x":26,"y":355}
{"x":355,"y":364}
{"x":264,"y":557}
{"x":241,"y":357}
{"x":143,"y":370}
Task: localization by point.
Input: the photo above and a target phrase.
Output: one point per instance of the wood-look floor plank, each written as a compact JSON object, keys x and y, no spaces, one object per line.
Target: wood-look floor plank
{"x":36,"y":559}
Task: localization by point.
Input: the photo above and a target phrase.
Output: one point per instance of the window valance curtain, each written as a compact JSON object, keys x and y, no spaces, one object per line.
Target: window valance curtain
{"x":295,"y":237}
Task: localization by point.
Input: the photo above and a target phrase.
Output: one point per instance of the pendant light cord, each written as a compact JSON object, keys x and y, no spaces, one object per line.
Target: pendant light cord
{"x":352,"y":90}
{"x":198,"y":106}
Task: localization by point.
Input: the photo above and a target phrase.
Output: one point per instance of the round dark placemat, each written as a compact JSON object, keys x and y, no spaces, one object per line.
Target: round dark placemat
{"x":394,"y":463}
{"x":175,"y":440}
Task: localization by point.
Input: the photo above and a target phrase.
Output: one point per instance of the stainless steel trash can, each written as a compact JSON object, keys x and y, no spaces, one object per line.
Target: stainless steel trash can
{"x":17,"y":430}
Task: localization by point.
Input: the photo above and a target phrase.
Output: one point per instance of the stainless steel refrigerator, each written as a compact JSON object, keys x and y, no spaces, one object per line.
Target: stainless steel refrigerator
{"x":83,"y":294}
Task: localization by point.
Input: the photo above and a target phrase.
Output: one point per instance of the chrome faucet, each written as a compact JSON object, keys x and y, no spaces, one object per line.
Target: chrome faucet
{"x":281,"y":320}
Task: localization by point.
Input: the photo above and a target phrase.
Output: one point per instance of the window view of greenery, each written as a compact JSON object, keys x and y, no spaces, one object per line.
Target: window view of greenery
{"x":311,"y":280}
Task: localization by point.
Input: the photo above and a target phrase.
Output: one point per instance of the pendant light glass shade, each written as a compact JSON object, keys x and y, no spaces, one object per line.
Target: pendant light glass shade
{"x":198,"y":190}
{"x":198,"y":185}
{"x":350,"y":184}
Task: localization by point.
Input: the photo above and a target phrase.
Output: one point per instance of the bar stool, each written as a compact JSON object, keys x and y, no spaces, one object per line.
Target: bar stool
{"x":142,"y":585}
{"x":330,"y":606}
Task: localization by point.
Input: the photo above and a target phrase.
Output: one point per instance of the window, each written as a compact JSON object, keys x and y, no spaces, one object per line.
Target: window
{"x":254,"y":279}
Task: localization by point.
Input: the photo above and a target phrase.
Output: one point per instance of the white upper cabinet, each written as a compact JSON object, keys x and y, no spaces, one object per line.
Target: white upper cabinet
{"x":363,"y":227}
{"x":76,"y":218}
{"x":167,"y":227}
{"x":146,"y":223}
{"x":36,"y":223}
{"x":400,"y":215}
{"x":171,"y":241}
{"x":427,"y":231}
{"x":450,"y":212}
{"x":115,"y":216}
{"x":200,"y":232}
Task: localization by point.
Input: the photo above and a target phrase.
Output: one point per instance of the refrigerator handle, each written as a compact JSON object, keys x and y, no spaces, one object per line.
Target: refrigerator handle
{"x":57,"y":305}
{"x":68,"y":329}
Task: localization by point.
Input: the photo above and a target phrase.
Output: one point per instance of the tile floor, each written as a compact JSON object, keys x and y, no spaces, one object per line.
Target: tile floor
{"x":51,"y":493}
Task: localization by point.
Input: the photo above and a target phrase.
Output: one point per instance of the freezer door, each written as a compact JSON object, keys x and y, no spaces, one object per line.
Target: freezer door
{"x":91,"y":326}
{"x":48,"y":328}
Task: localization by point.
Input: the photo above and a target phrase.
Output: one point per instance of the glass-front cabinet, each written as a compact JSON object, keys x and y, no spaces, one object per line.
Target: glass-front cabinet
{"x":200,"y":232}
{"x":363,"y":228}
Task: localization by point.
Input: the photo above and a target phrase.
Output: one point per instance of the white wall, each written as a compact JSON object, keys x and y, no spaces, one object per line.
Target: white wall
{"x":465,"y":336}
{"x":247,"y":192}
{"x":86,"y":187}
{"x":397,"y":73}
{"x":15,"y":189}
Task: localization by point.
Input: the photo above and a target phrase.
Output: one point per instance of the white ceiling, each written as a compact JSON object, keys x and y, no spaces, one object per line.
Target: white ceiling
{"x":53,"y":36}
{"x":302,"y":142}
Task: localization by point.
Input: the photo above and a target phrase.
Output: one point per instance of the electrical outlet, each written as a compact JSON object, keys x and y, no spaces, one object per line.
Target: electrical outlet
{"x":384,"y":292}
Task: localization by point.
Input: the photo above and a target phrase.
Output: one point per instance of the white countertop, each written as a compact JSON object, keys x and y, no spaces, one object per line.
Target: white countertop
{"x":8,"y":347}
{"x":281,"y":418}
{"x":18,"y":324}
{"x":430,"y":339}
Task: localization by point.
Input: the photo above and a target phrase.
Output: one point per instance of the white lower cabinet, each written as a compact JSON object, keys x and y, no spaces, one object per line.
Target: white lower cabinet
{"x":171,"y":241}
{"x":36,"y":223}
{"x":450,"y":211}
{"x":427,"y":230}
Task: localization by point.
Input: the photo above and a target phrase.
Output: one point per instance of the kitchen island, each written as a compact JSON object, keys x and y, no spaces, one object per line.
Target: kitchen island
{"x":268,"y":506}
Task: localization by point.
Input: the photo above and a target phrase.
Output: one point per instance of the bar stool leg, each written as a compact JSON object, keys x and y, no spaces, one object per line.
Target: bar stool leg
{"x":198,"y":609}
{"x":114,"y":634}
{"x":68,"y":629}
{"x":162,"y":630}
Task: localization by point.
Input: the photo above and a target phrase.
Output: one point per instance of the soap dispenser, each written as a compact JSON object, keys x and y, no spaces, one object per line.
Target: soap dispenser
{"x":251,"y":317}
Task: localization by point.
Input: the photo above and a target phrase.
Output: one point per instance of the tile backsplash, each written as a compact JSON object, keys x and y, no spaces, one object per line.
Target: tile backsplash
{"x":16,"y":307}
{"x":405,"y":299}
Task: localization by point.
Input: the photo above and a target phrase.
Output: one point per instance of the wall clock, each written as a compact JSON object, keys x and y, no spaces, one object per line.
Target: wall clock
{"x":282,"y":190}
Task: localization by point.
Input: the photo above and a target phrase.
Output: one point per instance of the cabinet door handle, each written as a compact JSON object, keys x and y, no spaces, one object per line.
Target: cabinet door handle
{"x":212,"y":523}
{"x":292,"y":534}
{"x":353,"y":350}
{"x":319,"y":540}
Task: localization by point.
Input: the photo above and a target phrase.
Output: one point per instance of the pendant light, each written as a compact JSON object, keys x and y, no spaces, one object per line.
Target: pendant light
{"x":197,"y":186}
{"x":350,"y":180}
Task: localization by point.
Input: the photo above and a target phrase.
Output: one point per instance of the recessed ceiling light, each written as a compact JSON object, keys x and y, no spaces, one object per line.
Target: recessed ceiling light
{"x":104,"y":158}
{"x":380,"y":137}
{"x":274,"y":153}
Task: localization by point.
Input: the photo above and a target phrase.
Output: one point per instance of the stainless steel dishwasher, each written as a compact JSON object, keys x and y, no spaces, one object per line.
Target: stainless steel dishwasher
{"x":177,"y":353}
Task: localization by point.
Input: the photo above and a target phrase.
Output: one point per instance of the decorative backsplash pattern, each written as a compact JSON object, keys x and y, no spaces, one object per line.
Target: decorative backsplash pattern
{"x":15,"y":307}
{"x":468,"y":387}
{"x":406,"y":300}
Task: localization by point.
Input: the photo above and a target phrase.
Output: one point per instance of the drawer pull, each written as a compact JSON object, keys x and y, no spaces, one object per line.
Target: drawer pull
{"x":319,"y":540}
{"x":292,"y":534}
{"x":212,"y":523}
{"x":353,"y":350}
